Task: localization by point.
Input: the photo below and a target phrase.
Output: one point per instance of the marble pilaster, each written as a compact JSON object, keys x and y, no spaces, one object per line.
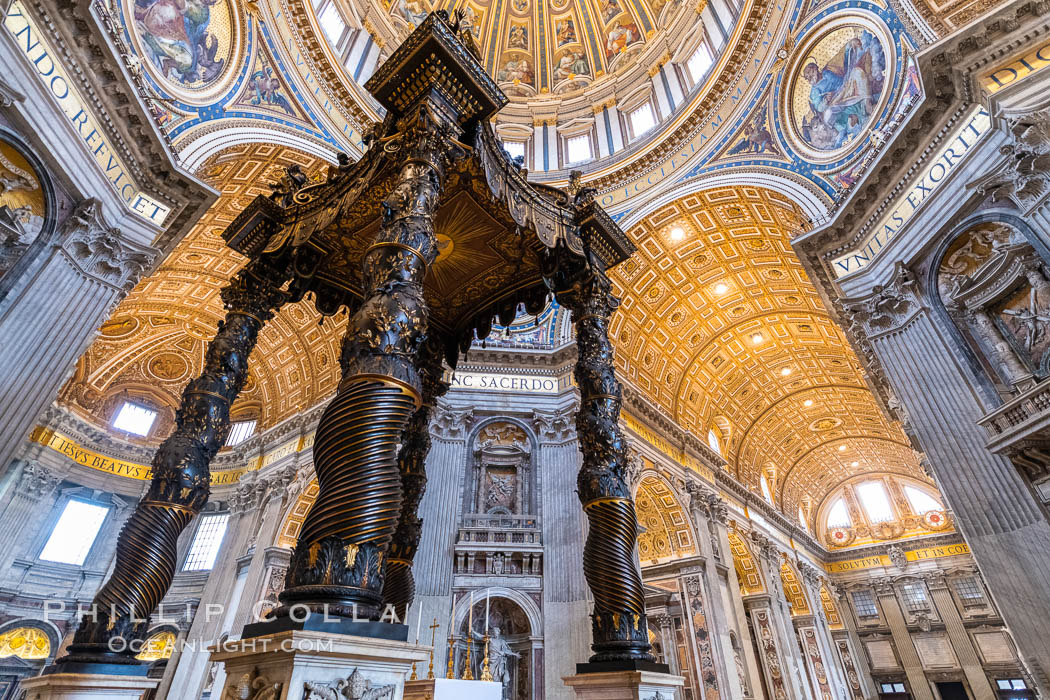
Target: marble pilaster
{"x":1003,"y":523}
{"x":47,"y":323}
{"x":909,"y":657}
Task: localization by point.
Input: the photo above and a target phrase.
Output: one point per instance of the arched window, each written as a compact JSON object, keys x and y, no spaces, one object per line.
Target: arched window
{"x":25,"y":643}
{"x":802,"y":519}
{"x":766,"y":493}
{"x":921,"y":502}
{"x":838,"y":514}
{"x":872,"y":495}
{"x":714,"y":442}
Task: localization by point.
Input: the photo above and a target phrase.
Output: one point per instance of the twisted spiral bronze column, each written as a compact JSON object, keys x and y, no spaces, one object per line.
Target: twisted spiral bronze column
{"x":399,"y":586}
{"x":146,"y":547}
{"x":610,"y":565}
{"x":339,"y":562}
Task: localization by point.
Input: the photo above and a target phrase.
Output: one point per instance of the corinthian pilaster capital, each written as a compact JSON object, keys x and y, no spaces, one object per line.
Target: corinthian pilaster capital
{"x":555,"y":426}
{"x":451,"y":424}
{"x":1024,"y":176}
{"x":99,"y":249}
{"x":36,"y":481}
{"x":886,"y":308}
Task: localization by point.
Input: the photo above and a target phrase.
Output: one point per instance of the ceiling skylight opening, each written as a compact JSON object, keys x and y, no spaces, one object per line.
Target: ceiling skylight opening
{"x":135,"y":419}
{"x":842,"y":448}
{"x":921,"y":502}
{"x":677,"y":233}
{"x":807,"y":403}
{"x":876,"y":503}
{"x":786,"y":372}
{"x":854,"y":464}
{"x":838,"y":515}
{"x":721,"y":288}
{"x":757,"y":338}
{"x":578,"y":149}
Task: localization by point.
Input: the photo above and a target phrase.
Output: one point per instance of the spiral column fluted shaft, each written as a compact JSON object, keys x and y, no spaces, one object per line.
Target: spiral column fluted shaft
{"x":147,"y":545}
{"x":399,"y":585}
{"x":341,"y":558}
{"x":609,"y":561}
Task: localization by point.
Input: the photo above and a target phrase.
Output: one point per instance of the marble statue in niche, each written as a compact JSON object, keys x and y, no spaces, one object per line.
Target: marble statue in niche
{"x":996,"y":288}
{"x":22,"y":206}
{"x":509,"y":646}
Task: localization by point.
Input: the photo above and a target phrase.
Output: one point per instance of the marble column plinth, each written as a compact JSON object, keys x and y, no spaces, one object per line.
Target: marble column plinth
{"x":87,"y":686}
{"x":452,"y":689}
{"x":626,"y":685}
{"x":304,"y":665}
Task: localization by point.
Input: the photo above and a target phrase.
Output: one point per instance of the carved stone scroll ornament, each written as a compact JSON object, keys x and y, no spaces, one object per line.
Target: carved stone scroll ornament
{"x":353,"y":687}
{"x":146,"y":548}
{"x":887,"y":308}
{"x":338,"y":563}
{"x":1025,"y":177}
{"x":609,"y":561}
{"x":399,"y":585}
{"x":99,"y":250}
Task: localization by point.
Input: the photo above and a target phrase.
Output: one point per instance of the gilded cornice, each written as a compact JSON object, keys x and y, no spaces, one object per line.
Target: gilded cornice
{"x":357,"y":107}
{"x":649,"y":154}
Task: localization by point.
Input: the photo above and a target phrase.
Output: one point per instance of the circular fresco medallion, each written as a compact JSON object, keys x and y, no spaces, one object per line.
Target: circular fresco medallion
{"x":191,"y":47}
{"x":824,"y":424}
{"x":841,"y":78}
{"x":168,"y":367}
{"x":119,"y":327}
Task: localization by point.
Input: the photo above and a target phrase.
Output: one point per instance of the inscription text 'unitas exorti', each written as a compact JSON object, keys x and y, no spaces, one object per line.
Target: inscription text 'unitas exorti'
{"x":919,"y":189}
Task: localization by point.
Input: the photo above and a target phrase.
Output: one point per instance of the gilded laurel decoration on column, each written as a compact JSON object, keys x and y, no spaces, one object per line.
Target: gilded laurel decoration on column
{"x":365,"y":239}
{"x":339,"y":562}
{"x":147,"y":546}
{"x":609,"y":560}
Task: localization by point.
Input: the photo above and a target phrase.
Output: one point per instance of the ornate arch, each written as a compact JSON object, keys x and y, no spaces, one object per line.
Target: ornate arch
{"x":794,"y":591}
{"x":748,"y":572}
{"x":667,"y":533}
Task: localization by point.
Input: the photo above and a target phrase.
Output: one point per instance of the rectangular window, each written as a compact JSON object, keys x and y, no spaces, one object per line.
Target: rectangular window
{"x":915,"y":599}
{"x":699,"y":62}
{"x":74,"y":533}
{"x":642,"y":119}
{"x":872,"y":495}
{"x":578,"y":148}
{"x":969,"y":590}
{"x":516,"y":149}
{"x":206,"y":542}
{"x":239,"y":432}
{"x":1011,"y":684}
{"x":332,"y":23}
{"x":132,"y":418}
{"x":864,"y":604}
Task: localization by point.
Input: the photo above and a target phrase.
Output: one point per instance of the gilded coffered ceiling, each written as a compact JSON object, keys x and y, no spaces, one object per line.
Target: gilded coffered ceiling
{"x":722,"y":329}
{"x":719,"y":327}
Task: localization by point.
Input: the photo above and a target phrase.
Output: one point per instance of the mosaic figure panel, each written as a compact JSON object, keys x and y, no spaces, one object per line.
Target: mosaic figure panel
{"x":22,"y":206}
{"x":189,"y":42}
{"x":838,"y":87}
